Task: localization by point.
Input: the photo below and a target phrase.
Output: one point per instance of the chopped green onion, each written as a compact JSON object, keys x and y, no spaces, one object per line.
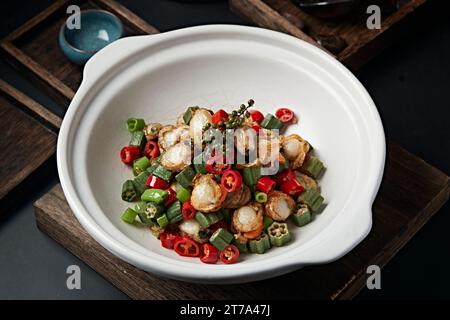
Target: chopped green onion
{"x":129,"y":191}
{"x":135,"y":124}
{"x":140,"y":165}
{"x":185,"y":177}
{"x":129,"y":215}
{"x":154,"y":195}
{"x":271,"y":122}
{"x":260,"y":197}
{"x":183,"y":194}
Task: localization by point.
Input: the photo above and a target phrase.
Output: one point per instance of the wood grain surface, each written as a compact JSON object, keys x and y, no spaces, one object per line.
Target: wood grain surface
{"x":411,"y":192}
{"x":25,"y":143}
{"x":34,"y":46}
{"x":362,"y":43}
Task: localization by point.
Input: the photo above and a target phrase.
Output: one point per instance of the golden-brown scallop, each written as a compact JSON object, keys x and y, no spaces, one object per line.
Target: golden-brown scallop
{"x":295,"y":149}
{"x":199,"y":119}
{"x":248,"y":218}
{"x":151,"y":130}
{"x":177,"y":157}
{"x":170,"y":135}
{"x":207,"y":195}
{"x":192,"y":229}
{"x":306,"y":181}
{"x":279,"y":205}
{"x":237,"y":198}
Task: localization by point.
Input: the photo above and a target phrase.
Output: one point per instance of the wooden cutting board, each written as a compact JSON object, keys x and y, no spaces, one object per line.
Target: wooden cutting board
{"x":411,"y":192}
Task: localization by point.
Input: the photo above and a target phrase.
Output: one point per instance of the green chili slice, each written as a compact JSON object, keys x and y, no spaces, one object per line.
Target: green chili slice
{"x":162,"y":221}
{"x":154,"y":195}
{"x":260,"y":197}
{"x":135,"y":124}
{"x":129,"y":215}
{"x":183,"y":194}
{"x":140,"y":165}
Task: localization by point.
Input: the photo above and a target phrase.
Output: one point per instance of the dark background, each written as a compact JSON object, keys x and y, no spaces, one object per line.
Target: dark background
{"x":409,"y":82}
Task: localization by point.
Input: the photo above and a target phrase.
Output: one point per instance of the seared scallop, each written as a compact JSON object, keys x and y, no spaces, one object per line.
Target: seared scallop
{"x":151,"y":130}
{"x":170,"y":135}
{"x":248,"y":218}
{"x":207,"y":195}
{"x":295,"y":149}
{"x":177,"y":157}
{"x":199,"y":119}
{"x":192,"y":229}
{"x":306,"y":181}
{"x":279,"y":205}
{"x":237,"y":198}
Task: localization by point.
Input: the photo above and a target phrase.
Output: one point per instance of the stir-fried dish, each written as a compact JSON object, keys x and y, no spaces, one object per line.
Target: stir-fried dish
{"x":215,"y":185}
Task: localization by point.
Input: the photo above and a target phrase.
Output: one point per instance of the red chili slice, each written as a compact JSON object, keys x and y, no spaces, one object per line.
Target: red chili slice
{"x":256,"y":115}
{"x":256,"y":127}
{"x":221,"y":224}
{"x":186,"y":247}
{"x":171,"y":197}
{"x":285,"y":175}
{"x":230,"y":254}
{"x":156,"y":183}
{"x":216,"y":164}
{"x":188,"y":211}
{"x":231,"y":180}
{"x":265,"y":184}
{"x":168,"y":239}
{"x":209,"y":253}
{"x":129,"y":154}
{"x":219,"y":116}
{"x":284,"y":115}
{"x":292,"y":188}
{"x":151,"y":150}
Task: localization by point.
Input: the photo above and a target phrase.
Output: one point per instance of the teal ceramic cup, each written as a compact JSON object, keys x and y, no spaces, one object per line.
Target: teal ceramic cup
{"x":98,"y":28}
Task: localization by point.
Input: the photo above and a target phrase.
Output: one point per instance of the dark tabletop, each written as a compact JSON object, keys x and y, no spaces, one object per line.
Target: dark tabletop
{"x":409,"y":82}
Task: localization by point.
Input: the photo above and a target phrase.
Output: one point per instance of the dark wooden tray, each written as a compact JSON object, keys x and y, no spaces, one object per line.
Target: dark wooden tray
{"x":363,"y":43}
{"x":25,"y":143}
{"x":34,"y":46}
{"x":411,"y":192}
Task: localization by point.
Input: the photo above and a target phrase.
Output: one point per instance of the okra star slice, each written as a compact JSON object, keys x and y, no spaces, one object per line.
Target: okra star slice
{"x":129,"y":191}
{"x":302,"y":217}
{"x":259,"y":245}
{"x":279,"y":234}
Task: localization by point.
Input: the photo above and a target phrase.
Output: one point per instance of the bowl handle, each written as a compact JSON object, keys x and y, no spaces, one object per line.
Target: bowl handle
{"x":111,"y":55}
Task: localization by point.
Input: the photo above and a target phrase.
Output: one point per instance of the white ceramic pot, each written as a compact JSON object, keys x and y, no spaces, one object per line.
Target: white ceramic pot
{"x":156,"y":77}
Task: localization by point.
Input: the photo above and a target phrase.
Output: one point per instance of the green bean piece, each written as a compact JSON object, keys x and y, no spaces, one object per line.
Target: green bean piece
{"x":313,"y":167}
{"x":129,"y":216}
{"x":259,"y":245}
{"x":302,"y":217}
{"x":128,"y":191}
{"x":241,"y":246}
{"x":279,"y":234}
{"x":251,"y":175}
{"x":183,"y":194}
{"x":271,"y":122}
{"x":154,"y":195}
{"x":174,"y":213}
{"x":162,"y":221}
{"x":139,"y":182}
{"x":267,"y":222}
{"x":162,"y":173}
{"x":135,"y":124}
{"x":185,"y":177}
{"x":140,"y":165}
{"x":312,"y":198}
{"x":202,"y":219}
{"x":260,"y":197}
{"x":221,"y":238}
{"x":138,"y":139}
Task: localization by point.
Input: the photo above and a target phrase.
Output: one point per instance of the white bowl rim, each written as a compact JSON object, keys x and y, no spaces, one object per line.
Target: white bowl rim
{"x":320,"y":249}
